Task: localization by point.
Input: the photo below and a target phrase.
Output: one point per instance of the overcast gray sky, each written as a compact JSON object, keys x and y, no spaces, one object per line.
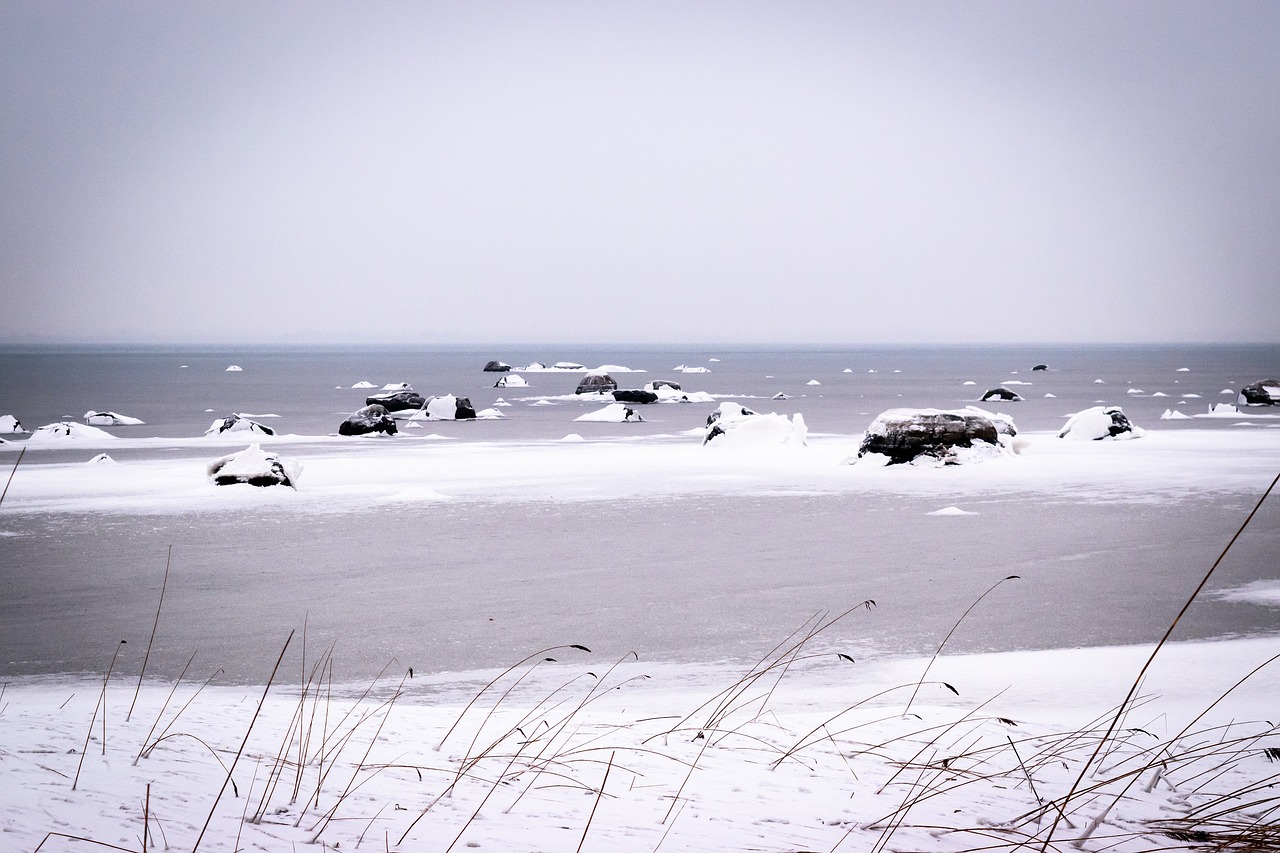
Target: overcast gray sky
{"x":639,"y":171}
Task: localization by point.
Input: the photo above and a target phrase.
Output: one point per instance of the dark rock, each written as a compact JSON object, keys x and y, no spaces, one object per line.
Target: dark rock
{"x":397,"y":401}
{"x":1041,"y":367}
{"x":594,"y":383}
{"x":372,"y":418}
{"x":632,"y":395}
{"x":255,"y":467}
{"x":1000,"y":394}
{"x":664,"y":383}
{"x":450,"y":407}
{"x":904,"y":434}
{"x":497,"y":367}
{"x":1264,"y":392}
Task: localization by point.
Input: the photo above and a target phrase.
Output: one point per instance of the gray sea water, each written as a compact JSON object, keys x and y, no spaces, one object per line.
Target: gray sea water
{"x":450,"y":587}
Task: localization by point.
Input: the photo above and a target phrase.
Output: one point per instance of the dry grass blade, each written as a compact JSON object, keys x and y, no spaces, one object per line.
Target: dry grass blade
{"x":146,"y":657}
{"x":9,"y":482}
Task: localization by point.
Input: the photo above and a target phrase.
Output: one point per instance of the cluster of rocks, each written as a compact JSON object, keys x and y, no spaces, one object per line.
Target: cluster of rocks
{"x":380,"y":410}
{"x":1264,"y":392}
{"x":937,"y":436}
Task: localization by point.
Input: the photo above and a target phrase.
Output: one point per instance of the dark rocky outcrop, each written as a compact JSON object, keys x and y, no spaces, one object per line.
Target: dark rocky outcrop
{"x":1041,"y":367}
{"x":1264,"y":392}
{"x":594,"y":383}
{"x":397,"y":401}
{"x":255,"y":467}
{"x":1001,"y":394}
{"x":450,"y":407}
{"x":905,"y":434}
{"x":497,"y":367}
{"x":634,"y":395}
{"x":370,"y":419}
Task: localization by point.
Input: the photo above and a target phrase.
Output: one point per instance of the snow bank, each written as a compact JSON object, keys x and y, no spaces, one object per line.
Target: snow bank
{"x":10,"y":425}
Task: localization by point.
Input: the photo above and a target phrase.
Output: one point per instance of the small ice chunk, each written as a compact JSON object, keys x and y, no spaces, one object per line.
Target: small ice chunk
{"x":950,"y":511}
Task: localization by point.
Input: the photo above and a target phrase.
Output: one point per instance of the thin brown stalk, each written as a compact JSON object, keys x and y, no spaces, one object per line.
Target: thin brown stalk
{"x":243,"y":743}
{"x":10,"y":482}
{"x":596,"y":804}
{"x":152,"y":640}
{"x":101,"y":703}
{"x":1133,"y":689}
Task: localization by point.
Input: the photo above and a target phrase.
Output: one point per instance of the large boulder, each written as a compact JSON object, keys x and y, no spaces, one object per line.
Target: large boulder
{"x":935,"y":436}
{"x":1001,"y":394}
{"x":68,"y":431}
{"x":497,"y":367}
{"x":752,"y":430}
{"x":511,"y":380}
{"x":596,"y":383}
{"x":634,"y":395}
{"x":237,"y":423}
{"x":1264,"y":392}
{"x":370,"y":419}
{"x":397,"y":401}
{"x":10,"y":424}
{"x":256,"y":467}
{"x":1098,"y":423}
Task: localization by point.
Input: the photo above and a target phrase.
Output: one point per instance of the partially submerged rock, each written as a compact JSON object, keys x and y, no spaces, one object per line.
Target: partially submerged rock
{"x":237,"y":423}
{"x":449,"y":408}
{"x":595,"y":383}
{"x":255,"y":467}
{"x":1041,"y":367}
{"x":634,"y":395}
{"x":511,"y":380}
{"x":68,"y":431}
{"x":368,"y":420}
{"x":1001,"y":394}
{"x":397,"y":401}
{"x":94,"y":418}
{"x":496,"y":367}
{"x":936,"y":436}
{"x":1098,"y":423}
{"x":1264,"y":392}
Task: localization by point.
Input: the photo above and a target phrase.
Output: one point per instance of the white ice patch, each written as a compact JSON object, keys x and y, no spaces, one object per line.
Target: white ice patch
{"x":94,"y":418}
{"x":233,"y":368}
{"x":813,"y":382}
{"x":1171,"y":415}
{"x":1266,"y":593}
{"x":950,"y":511}
{"x":614,"y":413}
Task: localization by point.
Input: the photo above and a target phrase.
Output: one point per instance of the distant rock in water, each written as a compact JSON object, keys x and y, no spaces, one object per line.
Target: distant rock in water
{"x":370,"y":419}
{"x":511,"y":380}
{"x":936,"y":436}
{"x":1098,"y":423}
{"x":1264,"y":392}
{"x":256,"y":467}
{"x":110,"y":419}
{"x":497,"y":367}
{"x":233,"y":368}
{"x":237,"y":423}
{"x":594,"y":383}
{"x":614,"y":413}
{"x":397,"y":401}
{"x":10,"y":425}
{"x":102,"y":459}
{"x":1041,"y":367}
{"x":634,"y":395}
{"x":1001,"y":394}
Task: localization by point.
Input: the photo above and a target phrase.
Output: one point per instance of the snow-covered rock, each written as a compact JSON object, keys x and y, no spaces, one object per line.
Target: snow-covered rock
{"x":490,"y":415}
{"x":596,"y":381}
{"x":233,"y":368}
{"x":1265,"y":392}
{"x":757,"y":430}
{"x":256,"y":467}
{"x":102,"y":459}
{"x":496,"y":367}
{"x":10,"y":425}
{"x":397,"y":386}
{"x":450,"y":408}
{"x":1098,"y":423}
{"x":614,"y":413}
{"x":110,"y":419}
{"x":370,"y":419}
{"x":405,"y":399}
{"x":237,"y":423}
{"x":684,"y":369}
{"x":1001,"y":394}
{"x":1171,"y":415}
{"x":363,"y":384}
{"x":937,"y":437}
{"x":511,"y":380}
{"x":68,"y":431}
{"x":1223,"y":409}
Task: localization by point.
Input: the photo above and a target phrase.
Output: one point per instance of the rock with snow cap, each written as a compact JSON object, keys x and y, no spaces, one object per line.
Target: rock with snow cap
{"x":1001,"y":394}
{"x":94,"y":418}
{"x":237,"y":423}
{"x":1264,"y":392}
{"x":10,"y":425}
{"x":1099,"y":422}
{"x":594,"y":383}
{"x":368,"y":420}
{"x":728,"y":410}
{"x":751,"y":430}
{"x":255,"y":467}
{"x":934,"y":436}
{"x":397,"y":401}
{"x":497,"y":367}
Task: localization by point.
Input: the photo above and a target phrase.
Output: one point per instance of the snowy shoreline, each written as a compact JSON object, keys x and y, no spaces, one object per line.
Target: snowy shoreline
{"x":524,"y":770}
